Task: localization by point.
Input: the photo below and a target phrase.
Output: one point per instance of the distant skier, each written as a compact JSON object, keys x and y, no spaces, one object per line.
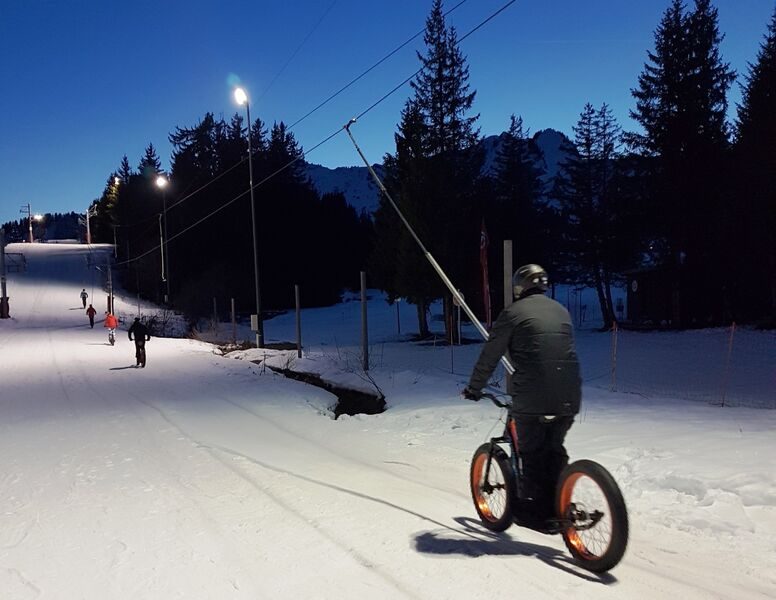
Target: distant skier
{"x":90,"y":312}
{"x":84,"y":296}
{"x":111,"y":322}
{"x":141,"y":337}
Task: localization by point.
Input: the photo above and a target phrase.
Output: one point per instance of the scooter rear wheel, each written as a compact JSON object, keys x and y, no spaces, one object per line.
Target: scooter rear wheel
{"x":591,"y":503}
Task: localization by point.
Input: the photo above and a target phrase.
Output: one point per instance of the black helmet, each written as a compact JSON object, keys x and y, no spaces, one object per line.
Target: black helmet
{"x":529,"y":277}
{"x":137,"y":319}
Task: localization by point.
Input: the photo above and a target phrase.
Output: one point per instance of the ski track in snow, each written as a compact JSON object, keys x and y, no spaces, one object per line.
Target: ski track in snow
{"x":267,"y":489}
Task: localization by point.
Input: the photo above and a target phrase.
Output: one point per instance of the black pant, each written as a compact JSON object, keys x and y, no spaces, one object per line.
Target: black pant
{"x":139,"y":349}
{"x":543,"y":456}
{"x":91,"y":321}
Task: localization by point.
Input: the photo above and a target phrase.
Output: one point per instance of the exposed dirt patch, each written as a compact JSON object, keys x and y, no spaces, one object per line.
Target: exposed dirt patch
{"x":349,"y":401}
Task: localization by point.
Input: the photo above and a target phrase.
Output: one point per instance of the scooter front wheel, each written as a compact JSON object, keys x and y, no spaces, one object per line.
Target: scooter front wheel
{"x":492,"y":485}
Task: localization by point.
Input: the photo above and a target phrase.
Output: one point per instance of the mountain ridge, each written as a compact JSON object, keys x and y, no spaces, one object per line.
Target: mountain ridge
{"x":356,"y":184}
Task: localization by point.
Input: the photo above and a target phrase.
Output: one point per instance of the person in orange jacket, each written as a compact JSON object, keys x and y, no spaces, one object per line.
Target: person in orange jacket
{"x":111,"y":322}
{"x":90,"y":312}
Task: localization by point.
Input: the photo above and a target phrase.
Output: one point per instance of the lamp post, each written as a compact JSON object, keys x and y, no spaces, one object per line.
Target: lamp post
{"x":161,"y":183}
{"x":90,"y":212}
{"x":26,"y":209}
{"x":38,"y":218}
{"x":3,"y":296}
{"x":241,"y":97}
{"x":116,"y":183}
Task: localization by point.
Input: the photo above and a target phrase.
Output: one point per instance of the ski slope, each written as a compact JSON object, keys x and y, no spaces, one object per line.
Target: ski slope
{"x":206,"y":477}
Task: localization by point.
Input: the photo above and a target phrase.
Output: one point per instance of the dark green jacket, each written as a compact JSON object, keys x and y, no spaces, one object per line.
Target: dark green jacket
{"x":536,"y":333}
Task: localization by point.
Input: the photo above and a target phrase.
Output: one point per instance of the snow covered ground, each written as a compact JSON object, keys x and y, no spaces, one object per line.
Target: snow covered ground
{"x":203,"y":476}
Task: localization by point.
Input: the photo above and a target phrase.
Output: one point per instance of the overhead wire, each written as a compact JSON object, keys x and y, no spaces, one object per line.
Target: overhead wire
{"x":405,"y":81}
{"x":241,"y":161}
{"x":298,"y":48}
{"x":235,"y":199}
{"x":363,"y":74}
{"x":318,"y":107}
{"x":303,"y":154}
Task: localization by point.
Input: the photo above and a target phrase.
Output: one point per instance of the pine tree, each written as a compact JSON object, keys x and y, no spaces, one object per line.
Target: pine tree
{"x":442,"y":89}
{"x":125,"y":171}
{"x":150,"y":165}
{"x":283,"y":156}
{"x":396,"y":263}
{"x":443,"y":212}
{"x":659,"y":95}
{"x":591,"y":206}
{"x":518,"y":213}
{"x":681,"y":105}
{"x":756,"y":153}
{"x":105,"y":216}
{"x":195,"y":152}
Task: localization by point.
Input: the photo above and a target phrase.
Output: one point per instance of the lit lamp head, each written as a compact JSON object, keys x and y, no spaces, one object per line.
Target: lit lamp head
{"x":161,"y":181}
{"x":240,"y":96}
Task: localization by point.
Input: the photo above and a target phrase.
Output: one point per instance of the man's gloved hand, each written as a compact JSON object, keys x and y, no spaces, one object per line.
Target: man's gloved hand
{"x":470,"y":394}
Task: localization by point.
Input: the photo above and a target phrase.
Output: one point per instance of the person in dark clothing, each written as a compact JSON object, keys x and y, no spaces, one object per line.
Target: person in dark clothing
{"x":90,"y":312}
{"x":84,"y":296}
{"x":546,"y":389}
{"x":142,"y":335}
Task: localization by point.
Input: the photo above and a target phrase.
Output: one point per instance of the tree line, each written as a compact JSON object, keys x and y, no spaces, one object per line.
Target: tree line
{"x":690,"y":198}
{"x":49,"y":226}
{"x":318,"y":242}
{"x":690,"y":195}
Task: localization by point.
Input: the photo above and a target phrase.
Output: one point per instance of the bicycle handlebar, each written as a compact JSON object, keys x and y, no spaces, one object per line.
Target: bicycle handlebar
{"x":495,"y":400}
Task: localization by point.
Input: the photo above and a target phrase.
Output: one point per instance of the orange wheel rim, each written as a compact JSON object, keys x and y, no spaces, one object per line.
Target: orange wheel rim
{"x":572,"y":535}
{"x":481,"y":499}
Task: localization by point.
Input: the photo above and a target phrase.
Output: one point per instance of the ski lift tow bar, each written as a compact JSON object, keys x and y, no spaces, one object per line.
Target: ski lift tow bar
{"x":445,"y":279}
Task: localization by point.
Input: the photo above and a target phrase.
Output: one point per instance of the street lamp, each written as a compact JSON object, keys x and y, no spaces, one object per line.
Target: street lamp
{"x":91,"y":211}
{"x":26,"y":208}
{"x":36,"y":218}
{"x":3,"y":295}
{"x":241,"y":97}
{"x":161,"y":183}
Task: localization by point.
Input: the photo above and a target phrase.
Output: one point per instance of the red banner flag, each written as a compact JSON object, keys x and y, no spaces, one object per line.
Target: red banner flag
{"x":484,"y":268}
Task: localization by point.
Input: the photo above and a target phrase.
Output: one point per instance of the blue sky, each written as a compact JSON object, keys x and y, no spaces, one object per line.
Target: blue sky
{"x":84,"y":82}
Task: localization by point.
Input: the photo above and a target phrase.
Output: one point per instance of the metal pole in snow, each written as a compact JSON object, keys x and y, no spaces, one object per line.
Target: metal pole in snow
{"x":509,"y":292}
{"x":727,"y":363}
{"x":483,"y":332}
{"x":234,"y":324}
{"x":364,"y":332}
{"x":161,"y":246}
{"x":460,"y":327}
{"x":298,"y":321}
{"x":3,"y":298}
{"x":615,"y":331}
